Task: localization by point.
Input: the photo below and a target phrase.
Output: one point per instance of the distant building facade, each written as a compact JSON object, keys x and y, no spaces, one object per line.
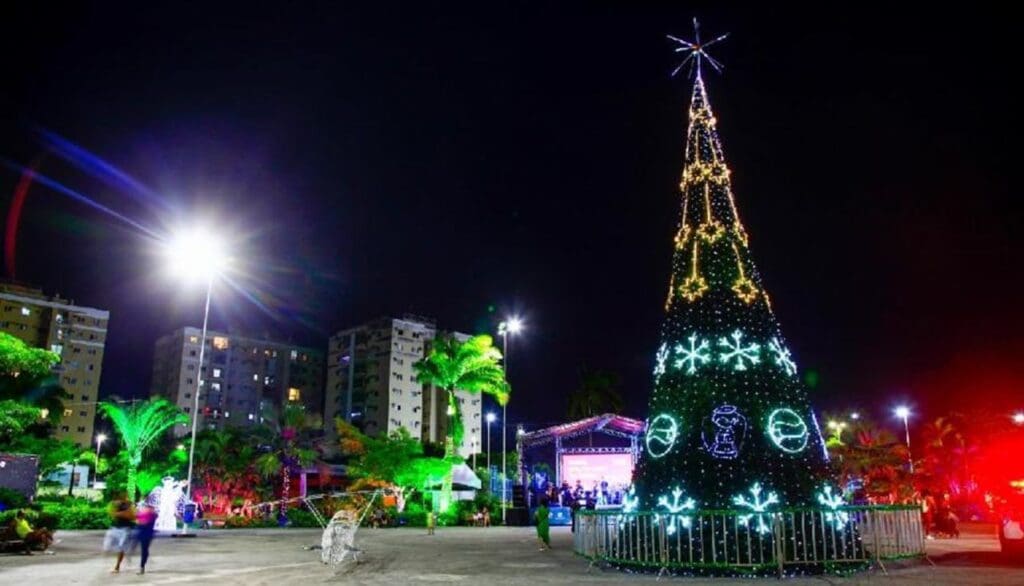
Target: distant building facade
{"x":243,"y":377}
{"x":371,"y":383}
{"x":77,"y":334}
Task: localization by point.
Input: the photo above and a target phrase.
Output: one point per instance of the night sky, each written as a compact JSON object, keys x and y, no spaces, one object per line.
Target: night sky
{"x":465,"y":162}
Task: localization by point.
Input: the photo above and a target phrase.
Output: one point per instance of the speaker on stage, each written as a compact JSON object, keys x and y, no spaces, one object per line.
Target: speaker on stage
{"x":518,"y":516}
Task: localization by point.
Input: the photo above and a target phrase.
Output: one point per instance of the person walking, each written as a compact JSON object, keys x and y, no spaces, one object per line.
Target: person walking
{"x":431,"y":522}
{"x":118,"y":537}
{"x":543,"y":524}
{"x":145,"y":526}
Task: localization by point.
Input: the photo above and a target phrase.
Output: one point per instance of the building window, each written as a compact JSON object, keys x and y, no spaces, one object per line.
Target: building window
{"x":57,"y":348}
{"x":81,"y":429}
{"x":216,"y":373}
{"x":220,"y":343}
{"x":294,"y":394}
{"x":193,"y":339}
{"x":295,"y":354}
{"x":255,"y":376}
{"x":191,"y":352}
{"x":82,"y":413}
{"x":68,"y":412}
{"x":26,"y":311}
{"x":215,"y":386}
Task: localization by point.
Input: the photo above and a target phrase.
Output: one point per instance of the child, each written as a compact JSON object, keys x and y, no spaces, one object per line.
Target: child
{"x":431,"y":522}
{"x":543,"y":533}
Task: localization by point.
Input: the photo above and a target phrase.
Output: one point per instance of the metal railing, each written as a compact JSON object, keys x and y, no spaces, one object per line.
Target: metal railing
{"x":734,"y":541}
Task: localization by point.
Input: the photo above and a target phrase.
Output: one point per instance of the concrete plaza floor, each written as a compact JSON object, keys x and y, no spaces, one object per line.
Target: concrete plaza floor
{"x":395,"y":557}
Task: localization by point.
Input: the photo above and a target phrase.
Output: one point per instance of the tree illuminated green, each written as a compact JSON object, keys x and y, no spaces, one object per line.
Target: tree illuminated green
{"x":472,"y":366}
{"x":139,"y":426}
{"x":26,"y":375}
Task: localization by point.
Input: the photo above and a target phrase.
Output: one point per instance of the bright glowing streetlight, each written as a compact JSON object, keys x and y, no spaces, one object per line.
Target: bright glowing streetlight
{"x":512,"y":325}
{"x":1018,"y":418}
{"x":100,"y":438}
{"x":196,"y":255}
{"x":490,"y":419}
{"x":903,"y":412}
{"x":855,"y":416}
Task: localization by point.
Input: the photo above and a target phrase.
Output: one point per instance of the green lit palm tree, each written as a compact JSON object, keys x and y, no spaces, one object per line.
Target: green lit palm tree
{"x":139,"y":426}
{"x":471,"y":366}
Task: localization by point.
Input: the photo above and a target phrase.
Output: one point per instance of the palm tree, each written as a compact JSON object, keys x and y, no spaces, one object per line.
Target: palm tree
{"x":596,"y":394}
{"x":471,"y":366}
{"x":287,"y":441}
{"x":139,"y":426}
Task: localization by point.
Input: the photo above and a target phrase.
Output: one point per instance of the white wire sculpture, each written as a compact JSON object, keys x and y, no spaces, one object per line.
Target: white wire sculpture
{"x":338,"y":543}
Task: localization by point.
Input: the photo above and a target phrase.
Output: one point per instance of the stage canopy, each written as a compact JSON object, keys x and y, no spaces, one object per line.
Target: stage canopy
{"x":609,"y":424}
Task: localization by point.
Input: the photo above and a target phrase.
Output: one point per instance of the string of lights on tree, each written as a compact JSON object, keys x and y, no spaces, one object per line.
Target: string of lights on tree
{"x":730,"y":425}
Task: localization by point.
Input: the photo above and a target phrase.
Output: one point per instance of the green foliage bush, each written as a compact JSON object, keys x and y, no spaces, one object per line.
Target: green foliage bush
{"x":12,"y":499}
{"x":36,"y":518}
{"x":302,"y":518}
{"x":76,"y":514}
{"x":240,"y":522}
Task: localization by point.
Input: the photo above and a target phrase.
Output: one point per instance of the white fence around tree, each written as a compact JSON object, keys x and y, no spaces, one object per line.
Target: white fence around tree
{"x":784,"y":542}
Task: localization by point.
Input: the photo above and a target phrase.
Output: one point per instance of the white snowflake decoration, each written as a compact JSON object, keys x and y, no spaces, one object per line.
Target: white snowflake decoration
{"x":693,"y":356}
{"x":782,"y":356}
{"x":756,"y":506}
{"x":676,"y":507}
{"x":833,"y":501}
{"x":736,"y":350}
{"x":659,"y":366}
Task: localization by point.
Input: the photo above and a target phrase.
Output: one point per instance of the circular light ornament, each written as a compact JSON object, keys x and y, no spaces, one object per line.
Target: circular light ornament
{"x":662,"y":433}
{"x":787,"y":430}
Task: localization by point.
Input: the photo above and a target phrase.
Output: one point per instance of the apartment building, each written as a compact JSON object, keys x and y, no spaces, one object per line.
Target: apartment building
{"x":372,"y":384}
{"x":244,"y":377}
{"x":77,"y":334}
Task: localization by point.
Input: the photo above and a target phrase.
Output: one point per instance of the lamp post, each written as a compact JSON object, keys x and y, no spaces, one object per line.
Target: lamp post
{"x":100,"y":438}
{"x":191,"y":255}
{"x":490,"y":420}
{"x":1018,"y":418}
{"x":903,"y":412}
{"x":512,"y":326}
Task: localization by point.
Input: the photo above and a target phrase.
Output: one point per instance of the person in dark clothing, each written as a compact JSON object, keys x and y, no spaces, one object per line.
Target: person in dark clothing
{"x":145,"y":524}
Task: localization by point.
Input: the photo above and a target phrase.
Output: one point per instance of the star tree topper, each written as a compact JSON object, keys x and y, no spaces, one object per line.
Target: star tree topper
{"x":695,"y":50}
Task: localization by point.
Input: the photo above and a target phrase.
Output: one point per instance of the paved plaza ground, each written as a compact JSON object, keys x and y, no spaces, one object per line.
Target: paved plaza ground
{"x":396,"y":557}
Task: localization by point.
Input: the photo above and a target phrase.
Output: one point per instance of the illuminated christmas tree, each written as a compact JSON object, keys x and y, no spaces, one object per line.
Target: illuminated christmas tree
{"x":730,"y":425}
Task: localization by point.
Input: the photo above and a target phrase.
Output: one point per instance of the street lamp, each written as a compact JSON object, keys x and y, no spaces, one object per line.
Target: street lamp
{"x":903,"y":412}
{"x":490,"y":419}
{"x":1018,"y":418}
{"x":100,"y":438}
{"x":855,"y":416}
{"x":196,"y":255}
{"x":513,"y":326}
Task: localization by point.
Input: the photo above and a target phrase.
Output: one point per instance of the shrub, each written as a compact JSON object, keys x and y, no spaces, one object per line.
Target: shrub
{"x":302,"y":518}
{"x":75,"y":515}
{"x":12,"y":499}
{"x":240,"y":522}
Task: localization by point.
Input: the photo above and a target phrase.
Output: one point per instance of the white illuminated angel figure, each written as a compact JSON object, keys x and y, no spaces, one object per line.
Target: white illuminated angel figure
{"x":167,"y":501}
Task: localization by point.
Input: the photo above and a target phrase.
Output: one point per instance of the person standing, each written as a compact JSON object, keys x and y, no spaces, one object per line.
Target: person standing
{"x":118,"y":537}
{"x":145,"y":526}
{"x":543,"y":524}
{"x":431,"y":522}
